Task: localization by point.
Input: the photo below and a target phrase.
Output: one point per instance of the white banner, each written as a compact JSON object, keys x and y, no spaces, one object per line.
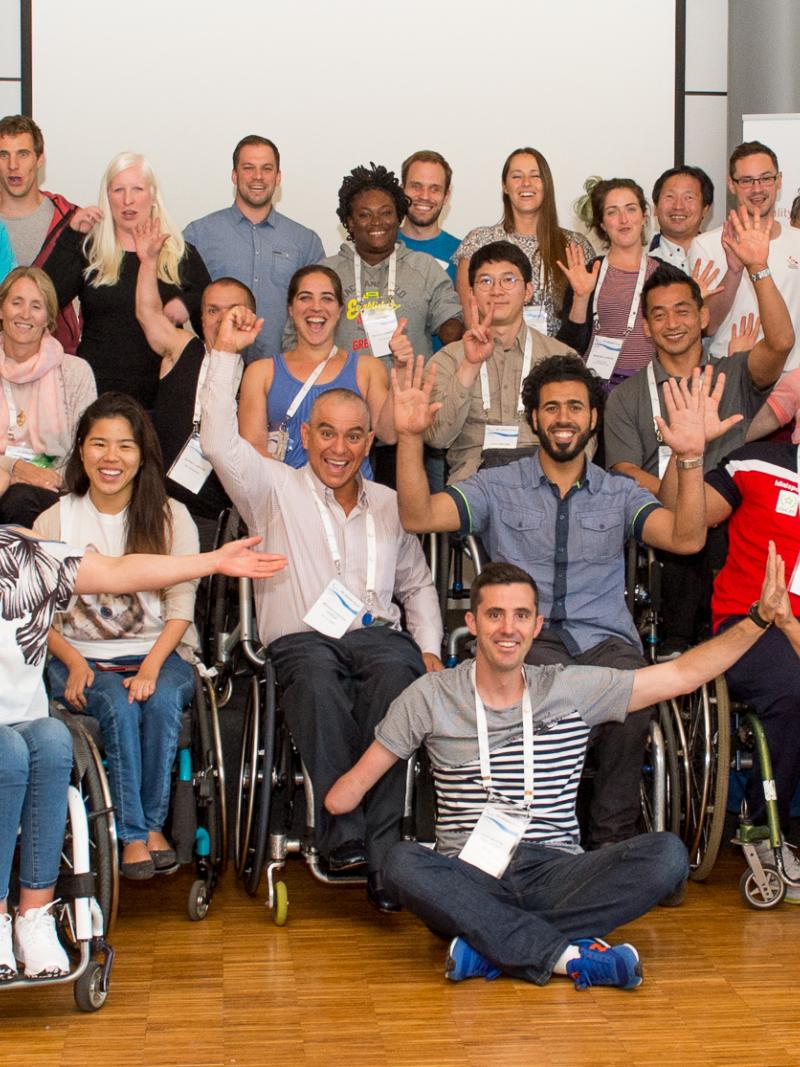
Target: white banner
{"x":781,"y":133}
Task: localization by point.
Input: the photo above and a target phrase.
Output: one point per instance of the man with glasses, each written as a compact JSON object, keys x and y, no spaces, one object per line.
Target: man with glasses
{"x":479,"y":378}
{"x":754,"y":178}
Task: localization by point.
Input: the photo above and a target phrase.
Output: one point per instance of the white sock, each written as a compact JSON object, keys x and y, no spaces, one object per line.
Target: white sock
{"x":571,"y":952}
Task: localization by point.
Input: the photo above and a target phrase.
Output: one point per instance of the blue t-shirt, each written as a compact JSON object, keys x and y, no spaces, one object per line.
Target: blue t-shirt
{"x":442,"y":249}
{"x":7,"y":258}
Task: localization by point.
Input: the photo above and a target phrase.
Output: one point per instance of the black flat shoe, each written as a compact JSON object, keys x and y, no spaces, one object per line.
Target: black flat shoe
{"x":139,"y":871}
{"x":163,"y":858}
{"x":377,"y":895}
{"x":350,"y":854}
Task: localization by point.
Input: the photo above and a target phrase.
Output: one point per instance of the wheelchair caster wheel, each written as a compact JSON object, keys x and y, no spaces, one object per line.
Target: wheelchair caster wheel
{"x":198,"y":902}
{"x":280,"y":904}
{"x":759,"y":898}
{"x":89,"y":992}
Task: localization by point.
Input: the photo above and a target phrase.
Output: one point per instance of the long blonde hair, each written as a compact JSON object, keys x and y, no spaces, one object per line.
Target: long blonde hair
{"x":101,"y":247}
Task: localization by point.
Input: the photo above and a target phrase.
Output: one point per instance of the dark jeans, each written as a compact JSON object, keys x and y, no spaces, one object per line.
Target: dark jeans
{"x":335,"y":692}
{"x":767,"y":677}
{"x":546,"y":899}
{"x":384,"y":466}
{"x":686,"y":583}
{"x":618,"y":748}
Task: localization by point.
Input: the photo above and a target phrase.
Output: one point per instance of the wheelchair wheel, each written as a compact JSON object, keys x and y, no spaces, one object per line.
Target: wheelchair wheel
{"x":248,"y":759}
{"x":198,"y":903}
{"x":222,"y":614}
{"x":210,"y":776}
{"x":753,"y":894}
{"x":89,"y":992}
{"x":280,"y":904}
{"x":258,"y":758}
{"x":702,"y":725}
{"x":673,"y":783}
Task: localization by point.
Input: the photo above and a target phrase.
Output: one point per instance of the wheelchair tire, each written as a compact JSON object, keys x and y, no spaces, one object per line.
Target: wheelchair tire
{"x":198,"y":903}
{"x":246,"y":797}
{"x":673,"y":769}
{"x":752,"y":894}
{"x":280,"y":904}
{"x":89,"y":993}
{"x":266,"y":727}
{"x":207,"y":743}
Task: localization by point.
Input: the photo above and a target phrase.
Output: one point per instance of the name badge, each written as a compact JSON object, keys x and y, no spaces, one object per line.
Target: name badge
{"x":379,"y":324}
{"x":277,"y":443}
{"x":500,"y":437}
{"x":535,"y":317}
{"x":664,"y":456}
{"x":603,"y":355}
{"x":334,"y":611}
{"x":191,"y":468}
{"x":494,"y":838}
{"x":786,"y":505}
{"x":21,"y":452}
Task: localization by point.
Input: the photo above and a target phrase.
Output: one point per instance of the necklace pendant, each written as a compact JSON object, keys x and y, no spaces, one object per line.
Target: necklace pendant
{"x":20,"y":418}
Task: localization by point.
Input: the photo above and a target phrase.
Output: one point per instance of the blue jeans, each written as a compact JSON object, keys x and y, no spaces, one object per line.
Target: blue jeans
{"x":140,"y":738}
{"x":546,"y":899}
{"x":35,"y":767}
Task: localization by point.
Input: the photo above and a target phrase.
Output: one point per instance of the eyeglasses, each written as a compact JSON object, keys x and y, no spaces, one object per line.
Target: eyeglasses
{"x":506,"y":282}
{"x":747,"y":182}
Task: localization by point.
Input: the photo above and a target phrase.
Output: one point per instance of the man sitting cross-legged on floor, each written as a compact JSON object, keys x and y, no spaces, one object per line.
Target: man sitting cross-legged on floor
{"x":508,"y":881}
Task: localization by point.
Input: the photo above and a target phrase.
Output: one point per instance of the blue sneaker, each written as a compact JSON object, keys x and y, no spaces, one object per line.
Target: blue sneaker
{"x":600,"y":964}
{"x":464,"y":962}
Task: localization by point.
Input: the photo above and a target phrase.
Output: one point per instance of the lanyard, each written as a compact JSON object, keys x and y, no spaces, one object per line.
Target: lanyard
{"x":198,"y":396}
{"x":542,"y":293}
{"x":637,"y":292}
{"x":655,"y":406}
{"x":392,"y":283}
{"x":527,"y":739}
{"x":333,"y":547}
{"x":526,"y":369}
{"x":307,"y":385}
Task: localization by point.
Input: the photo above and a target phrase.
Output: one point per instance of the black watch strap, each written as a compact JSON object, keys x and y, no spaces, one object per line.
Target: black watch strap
{"x":753,"y":614}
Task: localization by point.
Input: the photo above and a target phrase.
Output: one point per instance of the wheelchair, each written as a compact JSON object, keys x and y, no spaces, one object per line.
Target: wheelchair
{"x":275,"y":805}
{"x":87,"y":890}
{"x":197,"y":821}
{"x":217,"y":612}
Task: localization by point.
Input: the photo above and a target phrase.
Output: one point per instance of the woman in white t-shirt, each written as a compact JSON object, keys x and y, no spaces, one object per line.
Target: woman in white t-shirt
{"x":114,"y":656}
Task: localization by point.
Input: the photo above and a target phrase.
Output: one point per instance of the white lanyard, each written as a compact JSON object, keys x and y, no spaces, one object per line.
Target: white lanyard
{"x":637,"y":292}
{"x":527,"y":739}
{"x":12,"y":410}
{"x":333,"y":547}
{"x":198,"y":396}
{"x":307,"y":385}
{"x":542,"y":293}
{"x":526,"y":369}
{"x":655,"y":405}
{"x":392,"y":282}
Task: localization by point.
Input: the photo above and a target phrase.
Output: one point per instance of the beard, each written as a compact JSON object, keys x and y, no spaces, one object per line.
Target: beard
{"x":568,"y":453}
{"x":416,"y":221}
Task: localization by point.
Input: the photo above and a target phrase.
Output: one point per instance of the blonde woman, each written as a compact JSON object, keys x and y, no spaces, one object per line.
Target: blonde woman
{"x":95,"y":260}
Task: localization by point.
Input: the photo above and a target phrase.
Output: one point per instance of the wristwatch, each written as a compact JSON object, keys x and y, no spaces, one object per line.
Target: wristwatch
{"x":761,"y":274}
{"x":753,"y":614}
{"x":689,"y":464}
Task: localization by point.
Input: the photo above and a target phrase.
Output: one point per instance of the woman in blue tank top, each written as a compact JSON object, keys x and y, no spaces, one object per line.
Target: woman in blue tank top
{"x":278,"y":393}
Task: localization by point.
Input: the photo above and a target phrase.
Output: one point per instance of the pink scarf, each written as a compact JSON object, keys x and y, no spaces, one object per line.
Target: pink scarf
{"x":44,"y":412}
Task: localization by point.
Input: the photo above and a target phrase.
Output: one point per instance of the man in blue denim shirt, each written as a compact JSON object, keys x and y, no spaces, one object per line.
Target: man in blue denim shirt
{"x":566,"y":521}
{"x":255,"y":244}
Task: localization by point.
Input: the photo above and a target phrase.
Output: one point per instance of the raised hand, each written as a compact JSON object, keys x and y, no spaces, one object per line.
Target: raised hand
{"x":684,"y":432}
{"x":85,"y":219}
{"x":705,"y":276}
{"x":411,"y":393}
{"x":747,"y":238}
{"x":400,"y":346}
{"x":478,"y":342}
{"x":713,"y":426}
{"x":148,"y":239}
{"x":238,"y":560}
{"x":773,"y":600}
{"x":747,"y":335}
{"x":580,"y":279}
{"x":238,"y":329}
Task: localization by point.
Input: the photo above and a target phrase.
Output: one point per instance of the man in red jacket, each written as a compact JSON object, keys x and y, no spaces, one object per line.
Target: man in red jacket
{"x":34,"y":218}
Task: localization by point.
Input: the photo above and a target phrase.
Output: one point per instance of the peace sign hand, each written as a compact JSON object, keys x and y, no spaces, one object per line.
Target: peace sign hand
{"x":478,"y":342}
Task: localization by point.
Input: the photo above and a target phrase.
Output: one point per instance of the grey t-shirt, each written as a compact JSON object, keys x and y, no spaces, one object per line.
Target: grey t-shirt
{"x":28,"y":234}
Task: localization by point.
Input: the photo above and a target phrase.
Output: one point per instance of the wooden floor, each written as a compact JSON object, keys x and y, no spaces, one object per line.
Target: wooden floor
{"x":341,"y":985}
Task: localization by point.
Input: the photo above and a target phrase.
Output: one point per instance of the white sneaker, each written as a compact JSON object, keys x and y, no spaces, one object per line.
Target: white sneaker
{"x":8,"y":965}
{"x":791,"y":865}
{"x":36,"y":944}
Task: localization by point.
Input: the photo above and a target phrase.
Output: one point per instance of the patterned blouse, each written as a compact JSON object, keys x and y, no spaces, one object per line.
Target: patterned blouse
{"x":484,"y":235}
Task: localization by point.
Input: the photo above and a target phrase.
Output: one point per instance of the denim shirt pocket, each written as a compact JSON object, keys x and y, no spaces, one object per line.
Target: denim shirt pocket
{"x":601,"y":535}
{"x":282,"y":267}
{"x":521,"y":535}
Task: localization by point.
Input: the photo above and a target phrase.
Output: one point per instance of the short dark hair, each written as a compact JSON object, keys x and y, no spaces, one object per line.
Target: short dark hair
{"x":500,"y":574}
{"x":501,"y":252}
{"x":568,"y":368}
{"x":17,"y":125}
{"x":315,"y":268}
{"x":362,"y":179}
{"x":668,"y":274}
{"x":706,"y":184}
{"x":426,"y":155}
{"x":750,"y":148}
{"x":598,"y":196}
{"x":249,"y":300}
{"x":256,"y":139}
{"x":794,"y":213}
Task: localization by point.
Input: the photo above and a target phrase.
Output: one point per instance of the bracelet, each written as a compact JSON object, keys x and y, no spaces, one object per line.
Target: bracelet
{"x":754,"y":615}
{"x":761,"y":274}
{"x":689,"y":464}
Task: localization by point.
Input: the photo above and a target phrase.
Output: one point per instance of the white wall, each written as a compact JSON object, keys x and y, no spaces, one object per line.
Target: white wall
{"x":706,"y":136}
{"x":340,"y":83}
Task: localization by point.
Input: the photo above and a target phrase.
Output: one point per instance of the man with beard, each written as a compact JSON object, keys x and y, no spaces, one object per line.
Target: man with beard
{"x":426,"y":177}
{"x":253,"y":243}
{"x":566,"y":521}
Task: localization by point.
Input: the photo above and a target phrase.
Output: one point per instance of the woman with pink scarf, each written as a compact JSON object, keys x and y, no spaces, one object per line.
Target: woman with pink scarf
{"x":44,"y":393}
